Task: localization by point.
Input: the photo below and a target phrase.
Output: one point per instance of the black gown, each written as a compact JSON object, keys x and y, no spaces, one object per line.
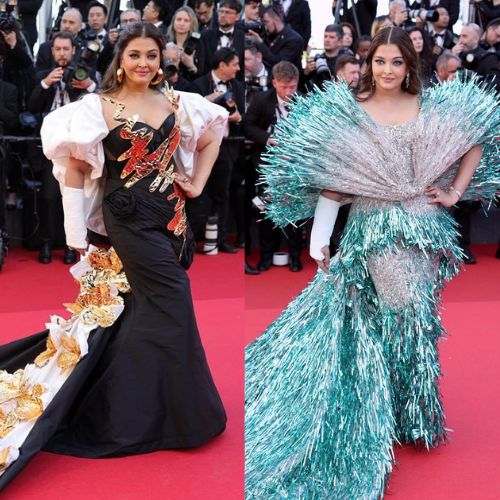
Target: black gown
{"x":145,"y":384}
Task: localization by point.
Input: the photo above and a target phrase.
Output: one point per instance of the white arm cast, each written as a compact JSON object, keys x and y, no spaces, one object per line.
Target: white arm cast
{"x":74,"y":217}
{"x":324,"y":221}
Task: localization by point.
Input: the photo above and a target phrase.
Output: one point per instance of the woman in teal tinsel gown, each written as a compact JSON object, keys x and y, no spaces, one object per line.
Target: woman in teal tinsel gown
{"x":351,"y":366}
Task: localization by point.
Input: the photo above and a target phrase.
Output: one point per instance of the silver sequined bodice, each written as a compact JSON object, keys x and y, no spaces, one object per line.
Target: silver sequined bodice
{"x":400,"y":163}
{"x":398,"y":273}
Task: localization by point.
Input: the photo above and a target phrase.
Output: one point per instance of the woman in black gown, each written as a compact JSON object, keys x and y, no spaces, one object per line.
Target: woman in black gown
{"x":144,"y":384}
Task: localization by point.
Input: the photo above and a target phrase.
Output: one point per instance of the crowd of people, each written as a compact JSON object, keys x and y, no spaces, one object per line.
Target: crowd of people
{"x":204,"y":54}
{"x":251,"y":59}
{"x":277,"y":68}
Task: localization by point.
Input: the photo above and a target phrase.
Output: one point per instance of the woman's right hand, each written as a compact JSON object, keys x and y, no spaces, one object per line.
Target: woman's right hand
{"x":324,"y":264}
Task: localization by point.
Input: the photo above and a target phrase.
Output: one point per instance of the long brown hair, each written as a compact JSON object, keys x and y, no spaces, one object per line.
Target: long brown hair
{"x":110,"y":84}
{"x":391,"y":36}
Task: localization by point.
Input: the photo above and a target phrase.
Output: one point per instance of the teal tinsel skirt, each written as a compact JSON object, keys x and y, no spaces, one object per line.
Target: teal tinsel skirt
{"x":351,"y":365}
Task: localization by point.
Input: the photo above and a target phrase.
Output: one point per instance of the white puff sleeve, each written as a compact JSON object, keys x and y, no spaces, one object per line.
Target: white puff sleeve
{"x":76,"y":130}
{"x":197,"y":115}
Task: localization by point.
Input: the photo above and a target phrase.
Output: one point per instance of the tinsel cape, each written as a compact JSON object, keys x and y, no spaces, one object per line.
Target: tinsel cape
{"x":329,"y":142}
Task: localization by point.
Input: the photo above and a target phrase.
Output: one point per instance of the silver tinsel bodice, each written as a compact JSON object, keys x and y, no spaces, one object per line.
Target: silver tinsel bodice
{"x":400,"y":163}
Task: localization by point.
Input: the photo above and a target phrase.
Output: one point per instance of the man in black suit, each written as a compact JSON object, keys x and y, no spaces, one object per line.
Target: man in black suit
{"x":298,"y":16}
{"x":204,"y":10}
{"x":158,"y":12}
{"x":282,"y":42}
{"x":28,"y":11}
{"x":440,"y":35}
{"x":221,"y":87}
{"x":53,"y":91}
{"x":71,"y":22}
{"x":226,"y":36}
{"x":261,"y":117}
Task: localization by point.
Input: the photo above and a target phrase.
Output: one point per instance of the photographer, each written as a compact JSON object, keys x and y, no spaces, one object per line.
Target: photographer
{"x":442,"y":38}
{"x":263,"y":113}
{"x":491,"y":37}
{"x":322,"y":67}
{"x":281,"y":42}
{"x":127,"y":17}
{"x":205,"y":14}
{"x":220,"y":86}
{"x":256,"y":74}
{"x":97,"y":18}
{"x":183,"y":31}
{"x":71,"y":22}
{"x":474,"y":57}
{"x":348,"y":69}
{"x":226,"y":35}
{"x":158,"y":12}
{"x":447,"y":66}
{"x":172,"y":57}
{"x":62,"y":85}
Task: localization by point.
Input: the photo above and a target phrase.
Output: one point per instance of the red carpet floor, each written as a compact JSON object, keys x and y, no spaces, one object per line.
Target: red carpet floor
{"x":468,"y":468}
{"x":30,"y":292}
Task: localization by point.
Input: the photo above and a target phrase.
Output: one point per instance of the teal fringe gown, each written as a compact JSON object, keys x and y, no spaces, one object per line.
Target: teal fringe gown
{"x":351,"y":365}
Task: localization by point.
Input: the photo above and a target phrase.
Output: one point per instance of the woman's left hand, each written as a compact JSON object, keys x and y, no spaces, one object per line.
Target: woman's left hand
{"x":186,"y":184}
{"x":445,"y":198}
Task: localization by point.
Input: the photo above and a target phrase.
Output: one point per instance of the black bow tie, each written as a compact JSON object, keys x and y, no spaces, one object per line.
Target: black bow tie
{"x":101,"y":37}
{"x":229,"y":35}
{"x":442,"y":35}
{"x":287,"y":108}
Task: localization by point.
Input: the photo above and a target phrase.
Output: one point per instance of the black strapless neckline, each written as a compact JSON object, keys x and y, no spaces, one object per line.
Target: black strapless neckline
{"x":145,"y":124}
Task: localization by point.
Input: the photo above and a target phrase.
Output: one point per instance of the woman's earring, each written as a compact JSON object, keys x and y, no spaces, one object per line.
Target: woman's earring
{"x":373,"y":82}
{"x":119,"y":75}
{"x":407,"y":80}
{"x":159,"y":77}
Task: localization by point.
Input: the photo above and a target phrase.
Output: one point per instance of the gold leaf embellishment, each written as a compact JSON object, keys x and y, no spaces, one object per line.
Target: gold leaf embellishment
{"x":43,"y":358}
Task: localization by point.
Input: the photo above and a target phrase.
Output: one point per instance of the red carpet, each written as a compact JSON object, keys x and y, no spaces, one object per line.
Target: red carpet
{"x":468,"y":468}
{"x":30,"y":292}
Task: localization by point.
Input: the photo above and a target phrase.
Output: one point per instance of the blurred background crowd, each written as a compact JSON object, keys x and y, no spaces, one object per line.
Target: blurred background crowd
{"x":251,"y":59}
{"x":282,"y":59}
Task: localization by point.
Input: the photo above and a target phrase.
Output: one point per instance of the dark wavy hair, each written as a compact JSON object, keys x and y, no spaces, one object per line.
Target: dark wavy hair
{"x":392,"y":36}
{"x":426,"y":58}
{"x":110,"y":84}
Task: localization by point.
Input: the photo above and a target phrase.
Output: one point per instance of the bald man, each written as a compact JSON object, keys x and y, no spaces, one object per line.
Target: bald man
{"x":72,"y":22}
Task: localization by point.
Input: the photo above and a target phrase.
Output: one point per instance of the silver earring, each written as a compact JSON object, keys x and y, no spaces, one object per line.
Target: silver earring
{"x":407,"y":80}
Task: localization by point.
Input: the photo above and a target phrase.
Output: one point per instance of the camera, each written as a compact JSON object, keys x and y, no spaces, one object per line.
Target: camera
{"x":322,"y":68}
{"x":7,"y":21}
{"x":423,"y":14}
{"x":227,"y":101}
{"x":170,"y":68}
{"x":257,"y":83}
{"x":91,"y":47}
{"x":191,"y":43}
{"x":77,"y":71}
{"x":255,"y":26}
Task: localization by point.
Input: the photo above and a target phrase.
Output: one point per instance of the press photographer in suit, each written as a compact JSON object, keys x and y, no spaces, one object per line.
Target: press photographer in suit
{"x":221,"y":87}
{"x":281,"y":42}
{"x":57,"y":87}
{"x":261,"y":117}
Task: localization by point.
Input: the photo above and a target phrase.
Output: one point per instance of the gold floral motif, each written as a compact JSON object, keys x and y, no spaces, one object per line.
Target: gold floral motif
{"x":71,"y":354}
{"x":7,"y":423}
{"x":43,"y":358}
{"x":105,"y":259}
{"x":4,"y":457}
{"x":10,"y":385}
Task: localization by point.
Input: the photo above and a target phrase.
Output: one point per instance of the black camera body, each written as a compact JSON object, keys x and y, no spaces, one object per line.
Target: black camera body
{"x":255,"y":26}
{"x":76,"y":70}
{"x":257,"y":84}
{"x":227,"y":101}
{"x":191,"y":43}
{"x":170,"y":69}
